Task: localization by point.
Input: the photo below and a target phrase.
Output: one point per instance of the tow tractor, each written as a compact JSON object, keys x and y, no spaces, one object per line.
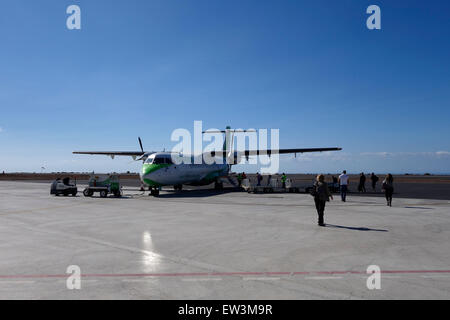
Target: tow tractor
{"x":104,"y":184}
{"x":63,"y":187}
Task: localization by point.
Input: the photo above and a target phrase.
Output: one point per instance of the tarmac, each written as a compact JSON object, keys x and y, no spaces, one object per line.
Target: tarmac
{"x":201,"y":244}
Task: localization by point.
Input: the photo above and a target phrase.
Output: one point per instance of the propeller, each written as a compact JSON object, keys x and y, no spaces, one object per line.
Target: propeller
{"x":143,"y":157}
{"x":140,"y":144}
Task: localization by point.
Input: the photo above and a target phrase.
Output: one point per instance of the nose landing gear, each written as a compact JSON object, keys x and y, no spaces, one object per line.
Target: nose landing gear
{"x":154,"y":192}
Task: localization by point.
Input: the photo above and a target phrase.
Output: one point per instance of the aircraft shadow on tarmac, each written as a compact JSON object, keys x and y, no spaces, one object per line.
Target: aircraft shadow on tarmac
{"x":110,"y":198}
{"x":354,"y":228}
{"x":200,"y":193}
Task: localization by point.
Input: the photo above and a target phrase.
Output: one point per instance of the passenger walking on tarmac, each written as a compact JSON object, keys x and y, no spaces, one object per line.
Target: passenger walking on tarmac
{"x":374,"y":180}
{"x":343,"y":183}
{"x":259,"y":178}
{"x":283,"y":180}
{"x":321,"y":195}
{"x":388,"y":188}
{"x":362,"y":183}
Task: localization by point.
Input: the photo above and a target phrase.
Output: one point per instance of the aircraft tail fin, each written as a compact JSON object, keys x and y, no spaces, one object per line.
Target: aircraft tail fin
{"x":229,"y":139}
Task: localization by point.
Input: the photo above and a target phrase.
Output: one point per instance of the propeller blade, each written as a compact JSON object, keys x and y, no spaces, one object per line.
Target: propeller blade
{"x":140,"y":144}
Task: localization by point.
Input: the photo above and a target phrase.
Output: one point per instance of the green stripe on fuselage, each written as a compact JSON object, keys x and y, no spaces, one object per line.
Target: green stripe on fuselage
{"x":148,"y":168}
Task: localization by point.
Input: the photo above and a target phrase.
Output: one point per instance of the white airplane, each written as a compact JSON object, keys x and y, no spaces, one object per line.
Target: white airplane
{"x":159,"y":170}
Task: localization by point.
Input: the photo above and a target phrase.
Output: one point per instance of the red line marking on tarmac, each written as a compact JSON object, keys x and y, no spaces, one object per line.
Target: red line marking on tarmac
{"x":212,"y":274}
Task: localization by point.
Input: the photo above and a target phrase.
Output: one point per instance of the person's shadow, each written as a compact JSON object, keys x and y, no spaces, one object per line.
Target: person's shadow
{"x":354,"y":228}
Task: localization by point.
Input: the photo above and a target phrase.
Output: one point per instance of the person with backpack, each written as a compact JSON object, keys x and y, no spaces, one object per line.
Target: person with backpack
{"x":388,"y":188}
{"x":321,"y":195}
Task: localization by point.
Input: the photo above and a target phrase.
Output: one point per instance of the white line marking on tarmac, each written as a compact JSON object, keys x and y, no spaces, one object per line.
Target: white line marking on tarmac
{"x":261,"y":279}
{"x":437,"y":277}
{"x":17,"y":282}
{"x":323,"y":278}
{"x":137,"y":280}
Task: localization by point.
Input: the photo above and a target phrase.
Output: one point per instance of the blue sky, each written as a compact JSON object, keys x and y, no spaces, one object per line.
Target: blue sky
{"x":145,"y":67}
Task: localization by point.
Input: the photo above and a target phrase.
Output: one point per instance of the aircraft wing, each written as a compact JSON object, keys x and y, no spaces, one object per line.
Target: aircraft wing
{"x":247,"y":153}
{"x":112,"y":154}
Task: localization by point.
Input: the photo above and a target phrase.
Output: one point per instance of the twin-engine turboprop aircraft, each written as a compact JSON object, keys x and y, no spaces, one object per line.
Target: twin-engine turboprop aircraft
{"x":159,"y":169}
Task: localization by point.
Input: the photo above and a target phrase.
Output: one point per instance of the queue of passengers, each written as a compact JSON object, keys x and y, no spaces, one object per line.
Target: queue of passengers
{"x":322,"y":194}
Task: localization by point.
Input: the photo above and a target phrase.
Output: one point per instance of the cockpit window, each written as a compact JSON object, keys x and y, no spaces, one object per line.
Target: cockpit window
{"x":160,"y":159}
{"x":150,"y":160}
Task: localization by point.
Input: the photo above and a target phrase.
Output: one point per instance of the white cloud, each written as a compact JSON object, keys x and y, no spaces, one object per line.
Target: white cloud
{"x":379,"y":154}
{"x":1,"y":129}
{"x":443,"y":153}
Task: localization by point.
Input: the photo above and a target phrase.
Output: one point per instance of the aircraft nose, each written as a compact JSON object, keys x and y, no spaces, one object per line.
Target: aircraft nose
{"x":146,"y":172}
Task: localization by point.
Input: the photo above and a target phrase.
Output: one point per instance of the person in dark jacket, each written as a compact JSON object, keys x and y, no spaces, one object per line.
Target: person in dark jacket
{"x":388,"y":188}
{"x":374,"y":179}
{"x":321,"y":195}
{"x":259,"y":177}
{"x":362,"y":183}
{"x":269,"y":180}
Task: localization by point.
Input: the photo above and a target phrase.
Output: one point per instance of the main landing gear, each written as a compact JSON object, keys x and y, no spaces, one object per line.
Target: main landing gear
{"x":154,"y":192}
{"x":218,"y":185}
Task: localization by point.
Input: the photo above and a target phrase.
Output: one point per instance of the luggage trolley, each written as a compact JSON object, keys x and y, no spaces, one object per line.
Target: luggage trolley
{"x":104,"y":184}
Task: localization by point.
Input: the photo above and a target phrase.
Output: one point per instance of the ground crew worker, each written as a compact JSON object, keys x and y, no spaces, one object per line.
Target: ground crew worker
{"x":239,"y":179}
{"x":283,"y":180}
